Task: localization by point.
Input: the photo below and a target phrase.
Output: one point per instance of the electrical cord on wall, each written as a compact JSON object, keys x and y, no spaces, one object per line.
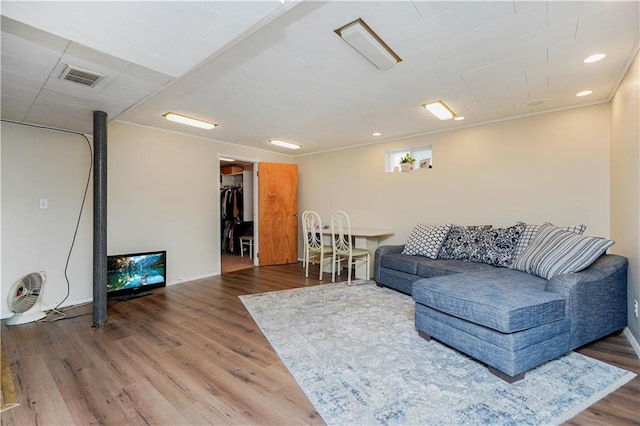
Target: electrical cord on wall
{"x":84,"y":198}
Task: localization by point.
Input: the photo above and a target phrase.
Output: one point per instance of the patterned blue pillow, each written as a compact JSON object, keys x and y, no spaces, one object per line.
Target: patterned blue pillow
{"x":499,"y":244}
{"x":426,"y":240}
{"x":464,"y":243}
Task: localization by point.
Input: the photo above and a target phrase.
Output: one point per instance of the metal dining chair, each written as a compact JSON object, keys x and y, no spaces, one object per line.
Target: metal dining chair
{"x":343,"y":247}
{"x":313,"y":246}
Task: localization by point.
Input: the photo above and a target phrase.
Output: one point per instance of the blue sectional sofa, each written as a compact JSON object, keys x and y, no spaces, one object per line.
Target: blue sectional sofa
{"x":511,"y":320}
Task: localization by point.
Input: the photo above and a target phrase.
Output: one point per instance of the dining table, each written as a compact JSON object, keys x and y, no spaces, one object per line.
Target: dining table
{"x":364,"y":238}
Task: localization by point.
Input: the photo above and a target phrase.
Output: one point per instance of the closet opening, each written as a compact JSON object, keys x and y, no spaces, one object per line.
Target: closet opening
{"x":236,"y":215}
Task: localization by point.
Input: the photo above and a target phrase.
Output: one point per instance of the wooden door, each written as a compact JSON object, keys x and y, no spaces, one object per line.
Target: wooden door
{"x":277,"y":213}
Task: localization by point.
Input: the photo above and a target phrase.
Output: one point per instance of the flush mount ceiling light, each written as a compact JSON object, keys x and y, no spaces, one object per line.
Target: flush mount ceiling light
{"x":226,"y":159}
{"x":440,"y":110}
{"x":364,"y":40}
{"x":172,"y":116}
{"x":584,"y":93}
{"x":458,"y":118}
{"x":377,"y":134}
{"x":594,"y":58}
{"x":284,"y":144}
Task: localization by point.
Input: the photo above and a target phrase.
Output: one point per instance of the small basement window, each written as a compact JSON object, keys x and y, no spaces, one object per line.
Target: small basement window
{"x":422,"y":154}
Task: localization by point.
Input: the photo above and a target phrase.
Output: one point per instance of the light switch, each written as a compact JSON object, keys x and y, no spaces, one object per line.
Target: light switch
{"x":44,"y":203}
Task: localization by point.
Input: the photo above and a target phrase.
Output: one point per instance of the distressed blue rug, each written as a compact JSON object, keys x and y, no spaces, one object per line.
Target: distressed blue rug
{"x":355,"y":353}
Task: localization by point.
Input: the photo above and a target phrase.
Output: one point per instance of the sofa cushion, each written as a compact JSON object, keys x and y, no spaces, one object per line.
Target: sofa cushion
{"x":510,"y":341}
{"x":426,"y":240}
{"x":501,"y":299}
{"x":555,"y":251}
{"x":400,"y":262}
{"x":531,"y":231}
{"x":428,"y":268}
{"x":498,"y":244}
{"x":463,"y":243}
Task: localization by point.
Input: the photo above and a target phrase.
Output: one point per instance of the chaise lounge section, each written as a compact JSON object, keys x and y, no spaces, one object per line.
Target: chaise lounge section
{"x":509,"y":319}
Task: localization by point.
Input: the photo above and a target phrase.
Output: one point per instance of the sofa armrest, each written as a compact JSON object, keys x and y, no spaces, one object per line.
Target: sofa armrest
{"x":381,"y":251}
{"x":596,"y":301}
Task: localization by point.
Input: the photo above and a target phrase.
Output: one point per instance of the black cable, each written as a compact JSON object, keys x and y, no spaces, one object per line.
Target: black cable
{"x":84,"y":197}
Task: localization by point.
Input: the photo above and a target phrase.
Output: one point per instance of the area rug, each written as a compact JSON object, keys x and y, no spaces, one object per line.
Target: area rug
{"x":355,"y":353}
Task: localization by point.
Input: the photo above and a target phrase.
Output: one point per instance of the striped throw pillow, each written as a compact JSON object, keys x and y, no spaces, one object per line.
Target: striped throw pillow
{"x":531,"y":231}
{"x":554,"y":251}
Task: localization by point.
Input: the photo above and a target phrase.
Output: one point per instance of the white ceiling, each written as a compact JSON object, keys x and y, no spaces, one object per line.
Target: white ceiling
{"x":264,"y":69}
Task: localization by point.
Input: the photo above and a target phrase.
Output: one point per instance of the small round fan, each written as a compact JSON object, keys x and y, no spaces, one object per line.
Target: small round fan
{"x":24,"y":299}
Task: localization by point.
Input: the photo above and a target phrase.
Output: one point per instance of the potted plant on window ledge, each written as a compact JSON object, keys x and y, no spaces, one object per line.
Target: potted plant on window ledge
{"x":407,"y":162}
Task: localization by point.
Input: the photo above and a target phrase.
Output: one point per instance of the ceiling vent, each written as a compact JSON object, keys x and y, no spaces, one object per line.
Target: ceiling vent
{"x":81,"y":76}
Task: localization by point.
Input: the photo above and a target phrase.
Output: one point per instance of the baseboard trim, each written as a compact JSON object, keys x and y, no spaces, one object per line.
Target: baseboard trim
{"x":632,"y":340}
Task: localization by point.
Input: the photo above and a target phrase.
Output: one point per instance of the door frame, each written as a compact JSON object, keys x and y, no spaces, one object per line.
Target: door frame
{"x":254,"y":174}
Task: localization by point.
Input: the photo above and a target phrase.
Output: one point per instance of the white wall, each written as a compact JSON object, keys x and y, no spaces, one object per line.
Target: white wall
{"x":625,"y":182}
{"x":45,"y":164}
{"x":162,"y":194}
{"x":550,"y":167}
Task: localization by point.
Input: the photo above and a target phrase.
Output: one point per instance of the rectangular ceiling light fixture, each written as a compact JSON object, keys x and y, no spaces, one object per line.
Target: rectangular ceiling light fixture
{"x":172,"y":116}
{"x":284,"y":144}
{"x":440,"y":110}
{"x":363,"y":39}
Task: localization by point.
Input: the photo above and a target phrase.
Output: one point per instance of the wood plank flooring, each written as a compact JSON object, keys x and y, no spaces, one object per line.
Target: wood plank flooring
{"x":192,"y":354}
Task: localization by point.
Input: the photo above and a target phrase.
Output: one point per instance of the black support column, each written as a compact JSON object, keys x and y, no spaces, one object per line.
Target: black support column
{"x":99,"y":218}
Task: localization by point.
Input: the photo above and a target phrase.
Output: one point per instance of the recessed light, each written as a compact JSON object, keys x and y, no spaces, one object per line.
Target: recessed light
{"x":440,"y":110}
{"x":594,"y":58}
{"x":458,"y":118}
{"x":284,"y":144}
{"x":584,"y":93}
{"x":226,"y":159}
{"x":183,"y":119}
{"x":377,"y":134}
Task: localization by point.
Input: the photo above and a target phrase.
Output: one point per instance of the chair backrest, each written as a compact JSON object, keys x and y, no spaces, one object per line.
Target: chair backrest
{"x":341,"y":232}
{"x":312,"y":229}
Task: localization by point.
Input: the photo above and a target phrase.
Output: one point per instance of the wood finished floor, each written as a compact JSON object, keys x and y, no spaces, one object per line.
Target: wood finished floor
{"x":191,"y":354}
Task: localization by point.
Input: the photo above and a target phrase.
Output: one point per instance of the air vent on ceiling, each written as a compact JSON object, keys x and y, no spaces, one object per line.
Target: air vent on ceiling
{"x":81,"y":76}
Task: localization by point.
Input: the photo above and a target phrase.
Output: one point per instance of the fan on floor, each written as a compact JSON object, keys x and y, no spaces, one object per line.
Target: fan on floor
{"x":24,"y":299}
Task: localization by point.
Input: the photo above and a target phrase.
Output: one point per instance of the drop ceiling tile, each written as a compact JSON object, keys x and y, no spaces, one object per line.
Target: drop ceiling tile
{"x":68,"y":99}
{"x":29,"y":50}
{"x":147,"y":74}
{"x":617,"y":15}
{"x":23,"y":67}
{"x":124,"y":93}
{"x":508,"y":32}
{"x":88,"y":57}
{"x":20,"y":81}
{"x":14,"y":108}
{"x":562,"y":11}
{"x":171,"y":51}
{"x":48,"y":116}
{"x":522,"y":5}
{"x":473,"y":15}
{"x":34,"y":35}
{"x":18,"y":92}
